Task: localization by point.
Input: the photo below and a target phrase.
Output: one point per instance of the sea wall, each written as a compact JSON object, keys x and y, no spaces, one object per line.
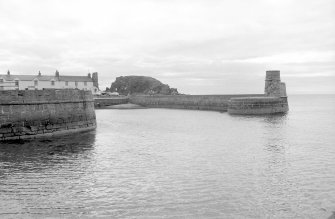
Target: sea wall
{"x":274,"y":101}
{"x":257,"y":105}
{"x":196,"y":102}
{"x":35,"y":113}
{"x":109,"y":101}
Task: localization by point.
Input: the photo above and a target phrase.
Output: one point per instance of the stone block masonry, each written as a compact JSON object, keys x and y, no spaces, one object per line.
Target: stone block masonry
{"x":195,"y":102}
{"x":274,"y":100}
{"x":35,"y":113}
{"x":100,"y":103}
{"x":257,"y":105}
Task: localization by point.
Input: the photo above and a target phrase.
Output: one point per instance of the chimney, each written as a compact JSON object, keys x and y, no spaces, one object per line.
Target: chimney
{"x":95,"y":80}
{"x":89,"y":75}
{"x":8,"y":72}
{"x":39,"y":73}
{"x":57,"y":73}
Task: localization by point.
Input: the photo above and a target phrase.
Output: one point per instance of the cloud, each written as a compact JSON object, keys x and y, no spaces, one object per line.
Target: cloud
{"x":294,"y":57}
{"x":198,"y":46}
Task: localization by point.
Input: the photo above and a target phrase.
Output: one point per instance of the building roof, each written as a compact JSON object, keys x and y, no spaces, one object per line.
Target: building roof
{"x":46,"y":78}
{"x":75,"y":78}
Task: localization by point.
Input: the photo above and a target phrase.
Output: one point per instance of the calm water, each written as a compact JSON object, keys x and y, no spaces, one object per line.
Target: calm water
{"x":161,"y":163}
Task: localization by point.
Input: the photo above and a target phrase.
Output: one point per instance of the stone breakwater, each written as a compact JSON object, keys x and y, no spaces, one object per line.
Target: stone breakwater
{"x":257,"y":105}
{"x":35,"y":113}
{"x":104,"y":102}
{"x":274,"y":100}
{"x":195,"y":102}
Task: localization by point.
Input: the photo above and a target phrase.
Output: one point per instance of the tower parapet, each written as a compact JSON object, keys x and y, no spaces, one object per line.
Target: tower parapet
{"x":283,"y":90}
{"x":272,"y":83}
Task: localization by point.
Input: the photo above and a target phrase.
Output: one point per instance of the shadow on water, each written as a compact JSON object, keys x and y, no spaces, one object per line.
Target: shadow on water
{"x":45,"y":152}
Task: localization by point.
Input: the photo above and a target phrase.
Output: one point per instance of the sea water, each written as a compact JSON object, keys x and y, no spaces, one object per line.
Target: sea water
{"x":165,"y":163}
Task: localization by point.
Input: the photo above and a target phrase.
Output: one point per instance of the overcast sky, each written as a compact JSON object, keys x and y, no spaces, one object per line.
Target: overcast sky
{"x":197,"y":46}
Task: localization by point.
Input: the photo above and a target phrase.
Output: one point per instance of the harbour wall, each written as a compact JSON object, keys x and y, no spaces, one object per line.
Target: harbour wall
{"x":36,"y":113}
{"x":258,"y":105}
{"x":274,"y":100}
{"x":196,"y":102}
{"x":100,"y":102}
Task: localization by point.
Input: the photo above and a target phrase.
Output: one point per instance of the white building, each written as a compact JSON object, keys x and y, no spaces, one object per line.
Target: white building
{"x":40,"y":82}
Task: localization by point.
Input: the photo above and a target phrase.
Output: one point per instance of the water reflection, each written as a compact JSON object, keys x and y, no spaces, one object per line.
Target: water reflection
{"x":44,"y":153}
{"x":274,"y":137}
{"x":39,"y":176}
{"x":278,"y":185}
{"x":62,"y":144}
{"x":279,"y":118}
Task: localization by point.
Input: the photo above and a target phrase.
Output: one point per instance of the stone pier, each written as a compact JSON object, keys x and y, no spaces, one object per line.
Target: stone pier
{"x":36,"y":113}
{"x":274,"y":101}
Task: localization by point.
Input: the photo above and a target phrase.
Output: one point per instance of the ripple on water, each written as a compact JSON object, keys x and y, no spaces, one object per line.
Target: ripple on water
{"x":177,"y":164}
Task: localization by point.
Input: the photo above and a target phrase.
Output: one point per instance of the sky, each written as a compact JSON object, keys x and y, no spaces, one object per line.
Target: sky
{"x":197,"y":46}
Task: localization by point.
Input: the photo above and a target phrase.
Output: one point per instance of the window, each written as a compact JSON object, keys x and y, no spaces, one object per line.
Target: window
{"x":85,"y":83}
{"x":36,"y":82}
{"x":52,"y":83}
{"x":76,"y":83}
{"x":1,"y":80}
{"x":16,"y":82}
{"x":66,"y":83}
